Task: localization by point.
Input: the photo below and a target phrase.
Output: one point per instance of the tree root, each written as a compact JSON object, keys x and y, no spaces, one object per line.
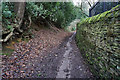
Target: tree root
{"x":15,"y":27}
{"x":18,"y":26}
{"x":30,"y":21}
{"x":8,"y":36}
{"x":11,"y":32}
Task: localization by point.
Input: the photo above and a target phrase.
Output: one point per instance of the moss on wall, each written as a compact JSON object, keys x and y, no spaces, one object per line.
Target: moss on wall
{"x":98,"y":39}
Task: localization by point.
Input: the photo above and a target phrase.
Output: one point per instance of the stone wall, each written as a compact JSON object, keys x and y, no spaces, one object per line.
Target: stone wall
{"x":98,"y":39}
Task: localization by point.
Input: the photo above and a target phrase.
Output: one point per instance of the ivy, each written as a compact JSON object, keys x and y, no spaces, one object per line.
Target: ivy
{"x":8,"y":14}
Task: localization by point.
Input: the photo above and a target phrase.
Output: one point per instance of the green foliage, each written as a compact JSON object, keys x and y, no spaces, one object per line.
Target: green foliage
{"x":9,"y":27}
{"x":8,"y":14}
{"x":34,"y":10}
{"x":39,"y":74}
{"x":74,"y":28}
{"x":79,"y":13}
{"x":7,"y":54}
{"x":7,"y":10}
{"x":61,"y":13}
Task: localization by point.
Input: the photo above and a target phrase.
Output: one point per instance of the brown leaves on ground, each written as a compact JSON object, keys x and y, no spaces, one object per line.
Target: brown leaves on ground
{"x":20,"y":64}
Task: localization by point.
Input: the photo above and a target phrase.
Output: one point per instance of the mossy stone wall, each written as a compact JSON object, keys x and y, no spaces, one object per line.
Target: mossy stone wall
{"x":98,"y":39}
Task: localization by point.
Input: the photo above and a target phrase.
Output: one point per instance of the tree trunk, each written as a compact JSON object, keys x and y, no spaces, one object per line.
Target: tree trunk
{"x":19,"y":10}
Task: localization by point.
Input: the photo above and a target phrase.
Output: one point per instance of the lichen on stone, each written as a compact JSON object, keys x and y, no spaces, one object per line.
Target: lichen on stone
{"x":114,"y":12}
{"x":98,"y":40}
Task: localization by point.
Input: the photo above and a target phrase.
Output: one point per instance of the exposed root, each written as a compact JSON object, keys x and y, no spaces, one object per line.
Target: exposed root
{"x":8,"y":36}
{"x":18,"y":26}
{"x":30,"y":21}
{"x":11,"y":32}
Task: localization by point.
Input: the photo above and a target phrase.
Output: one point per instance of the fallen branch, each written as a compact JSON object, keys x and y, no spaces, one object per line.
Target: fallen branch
{"x":54,"y":27}
{"x":48,"y":23}
{"x":8,"y":36}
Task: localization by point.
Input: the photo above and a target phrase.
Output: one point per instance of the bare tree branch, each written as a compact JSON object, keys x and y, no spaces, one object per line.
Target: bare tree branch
{"x":83,"y":12}
{"x":89,"y":4}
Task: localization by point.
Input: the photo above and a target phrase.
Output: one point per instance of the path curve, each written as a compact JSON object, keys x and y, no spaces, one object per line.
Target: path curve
{"x":64,"y":61}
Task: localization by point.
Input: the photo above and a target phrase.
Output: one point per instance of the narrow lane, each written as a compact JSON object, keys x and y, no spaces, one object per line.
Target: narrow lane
{"x":72,"y":64}
{"x":62,"y":61}
{"x":65,"y":68}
